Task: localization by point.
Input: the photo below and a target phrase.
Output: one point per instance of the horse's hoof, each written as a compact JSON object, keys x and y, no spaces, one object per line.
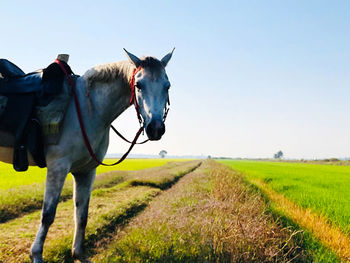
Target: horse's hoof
{"x":79,"y":256}
{"x":36,"y":259}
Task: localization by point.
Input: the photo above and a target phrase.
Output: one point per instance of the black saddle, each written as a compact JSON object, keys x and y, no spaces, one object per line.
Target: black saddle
{"x":20,"y":93}
{"x":9,"y":70}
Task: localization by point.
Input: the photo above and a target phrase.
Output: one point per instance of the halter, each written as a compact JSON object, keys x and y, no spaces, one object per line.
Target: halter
{"x":133,"y":100}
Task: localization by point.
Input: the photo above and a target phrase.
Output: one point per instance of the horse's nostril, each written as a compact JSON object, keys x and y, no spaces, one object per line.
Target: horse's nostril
{"x":155,"y":129}
{"x":159,"y":127}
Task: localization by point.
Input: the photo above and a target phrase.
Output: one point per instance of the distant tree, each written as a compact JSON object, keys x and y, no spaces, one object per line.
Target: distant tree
{"x":209,"y":156}
{"x":278,"y":155}
{"x":162,"y":153}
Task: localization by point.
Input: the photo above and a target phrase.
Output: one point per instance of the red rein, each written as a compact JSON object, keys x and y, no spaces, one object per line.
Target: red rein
{"x":82,"y":127}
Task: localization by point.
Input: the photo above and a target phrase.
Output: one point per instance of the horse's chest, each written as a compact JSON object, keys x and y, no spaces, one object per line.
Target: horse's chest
{"x":81,"y":158}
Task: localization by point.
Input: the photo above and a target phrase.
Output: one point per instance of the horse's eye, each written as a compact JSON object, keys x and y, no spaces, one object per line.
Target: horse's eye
{"x":138,"y":86}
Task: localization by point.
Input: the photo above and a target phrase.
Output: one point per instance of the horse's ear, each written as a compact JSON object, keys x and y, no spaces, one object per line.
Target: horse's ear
{"x":167,"y":58}
{"x":132,"y":58}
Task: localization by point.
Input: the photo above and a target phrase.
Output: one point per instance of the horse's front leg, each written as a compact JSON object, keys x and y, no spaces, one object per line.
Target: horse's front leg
{"x":83,"y":183}
{"x":56,"y":175}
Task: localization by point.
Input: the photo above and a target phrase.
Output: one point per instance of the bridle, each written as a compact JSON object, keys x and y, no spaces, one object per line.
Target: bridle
{"x":133,"y":100}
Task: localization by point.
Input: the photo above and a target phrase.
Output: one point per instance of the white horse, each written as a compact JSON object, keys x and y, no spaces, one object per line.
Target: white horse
{"x":109,"y":95}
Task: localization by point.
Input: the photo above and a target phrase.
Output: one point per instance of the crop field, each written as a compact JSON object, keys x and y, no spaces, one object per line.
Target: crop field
{"x":314,"y":196}
{"x":188,"y":211}
{"x":11,"y":179}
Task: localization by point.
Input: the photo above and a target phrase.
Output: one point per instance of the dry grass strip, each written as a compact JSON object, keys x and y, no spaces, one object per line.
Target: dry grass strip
{"x":210,"y":215}
{"x":330,"y":235}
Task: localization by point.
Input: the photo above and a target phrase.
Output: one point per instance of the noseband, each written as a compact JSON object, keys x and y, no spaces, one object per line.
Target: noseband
{"x":133,"y":100}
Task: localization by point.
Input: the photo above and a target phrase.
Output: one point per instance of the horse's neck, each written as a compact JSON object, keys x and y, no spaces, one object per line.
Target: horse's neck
{"x":109,"y":98}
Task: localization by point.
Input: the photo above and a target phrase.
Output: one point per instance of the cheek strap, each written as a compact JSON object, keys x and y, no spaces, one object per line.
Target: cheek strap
{"x":133,"y":99}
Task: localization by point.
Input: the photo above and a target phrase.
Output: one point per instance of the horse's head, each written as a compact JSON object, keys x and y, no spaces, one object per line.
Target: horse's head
{"x":151,"y":92}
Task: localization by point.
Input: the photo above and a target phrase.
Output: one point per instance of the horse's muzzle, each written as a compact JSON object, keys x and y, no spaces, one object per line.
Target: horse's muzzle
{"x":155,"y":129}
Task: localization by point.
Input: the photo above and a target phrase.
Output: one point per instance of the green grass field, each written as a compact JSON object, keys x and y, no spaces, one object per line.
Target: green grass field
{"x":10,"y":178}
{"x":323,"y":188}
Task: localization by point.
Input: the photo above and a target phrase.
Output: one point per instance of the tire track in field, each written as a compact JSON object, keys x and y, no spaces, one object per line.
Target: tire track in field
{"x":109,"y":209}
{"x":329,"y":235}
{"x":23,"y":200}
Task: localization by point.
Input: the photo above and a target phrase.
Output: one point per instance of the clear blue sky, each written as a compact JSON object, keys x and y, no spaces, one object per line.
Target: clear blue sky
{"x":248,"y":77}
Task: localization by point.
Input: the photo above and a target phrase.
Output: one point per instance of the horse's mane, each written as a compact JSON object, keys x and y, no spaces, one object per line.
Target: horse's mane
{"x":109,"y":72}
{"x":121,"y":70}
